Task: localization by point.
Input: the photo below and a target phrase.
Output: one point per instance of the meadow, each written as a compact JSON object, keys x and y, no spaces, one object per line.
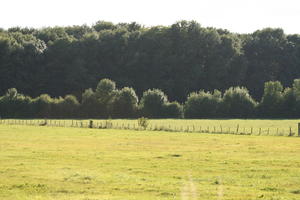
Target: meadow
{"x":279,"y":127}
{"x":40,"y":162}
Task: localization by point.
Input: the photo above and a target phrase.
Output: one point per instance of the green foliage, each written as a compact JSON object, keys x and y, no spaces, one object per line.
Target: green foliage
{"x":268,"y":53}
{"x":152,"y":103}
{"x":105,"y":94}
{"x":125,"y":103}
{"x":237,"y":103}
{"x":296,"y":94}
{"x":44,"y":105}
{"x":178,"y":59}
{"x":11,"y":93}
{"x":69,"y":107}
{"x":15,"y":105}
{"x":172,"y":110}
{"x":103,"y":25}
{"x":143,"y":122}
{"x":105,"y":88}
{"x":108,"y":101}
{"x":89,"y":105}
{"x":202,"y":104}
{"x":288,"y":105}
{"x":272,"y":99}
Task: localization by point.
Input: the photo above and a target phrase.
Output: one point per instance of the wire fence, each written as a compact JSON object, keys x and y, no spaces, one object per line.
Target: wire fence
{"x":109,"y":124}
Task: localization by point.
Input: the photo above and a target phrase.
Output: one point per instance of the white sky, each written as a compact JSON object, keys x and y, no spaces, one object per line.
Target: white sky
{"x":241,"y":16}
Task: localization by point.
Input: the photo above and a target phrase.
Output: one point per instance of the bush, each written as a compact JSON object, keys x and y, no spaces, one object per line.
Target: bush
{"x":43,"y":106}
{"x":143,"y":122}
{"x":90,"y":107}
{"x":125,"y":103}
{"x":271,"y":102}
{"x":238,"y":103}
{"x":152,"y":103}
{"x":108,"y":101}
{"x":105,"y":94}
{"x":173,"y":110}
{"x":202,"y":104}
{"x":15,"y":105}
{"x":69,"y":107}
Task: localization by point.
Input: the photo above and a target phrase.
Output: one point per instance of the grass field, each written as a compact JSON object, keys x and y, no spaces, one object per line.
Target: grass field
{"x":89,"y":164}
{"x":254,"y":126}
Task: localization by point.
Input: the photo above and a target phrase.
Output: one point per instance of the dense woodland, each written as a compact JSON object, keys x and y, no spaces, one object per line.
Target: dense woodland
{"x":108,"y":101}
{"x":178,"y":59}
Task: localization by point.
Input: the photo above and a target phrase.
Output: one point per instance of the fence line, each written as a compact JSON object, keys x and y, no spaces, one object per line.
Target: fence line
{"x":155,"y":127}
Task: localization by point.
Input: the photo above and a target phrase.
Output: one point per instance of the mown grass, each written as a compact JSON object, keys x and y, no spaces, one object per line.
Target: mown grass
{"x":75,"y":163}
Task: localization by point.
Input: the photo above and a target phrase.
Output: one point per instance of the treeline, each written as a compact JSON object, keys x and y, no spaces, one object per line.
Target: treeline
{"x":179,"y":59}
{"x":107,"y":101}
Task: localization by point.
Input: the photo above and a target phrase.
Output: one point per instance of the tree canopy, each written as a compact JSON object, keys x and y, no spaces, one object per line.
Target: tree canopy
{"x":177,"y":59}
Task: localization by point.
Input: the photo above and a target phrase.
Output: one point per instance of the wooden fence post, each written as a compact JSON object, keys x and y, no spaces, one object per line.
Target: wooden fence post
{"x":237,"y":129}
{"x":298,"y":129}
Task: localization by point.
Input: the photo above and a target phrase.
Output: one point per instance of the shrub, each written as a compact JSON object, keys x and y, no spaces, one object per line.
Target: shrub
{"x":43,"y":106}
{"x":16,"y":105}
{"x":125,"y":103}
{"x":90,"y":106}
{"x":105,"y":94}
{"x":152,"y":103}
{"x":238,"y":103}
{"x":202,"y":104}
{"x":173,"y":110}
{"x":69,"y":107}
{"x":143,"y":122}
{"x":271,"y":102}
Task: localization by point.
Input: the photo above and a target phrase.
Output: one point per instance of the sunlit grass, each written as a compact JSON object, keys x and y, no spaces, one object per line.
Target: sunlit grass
{"x":233,"y":126}
{"x":74,"y":163}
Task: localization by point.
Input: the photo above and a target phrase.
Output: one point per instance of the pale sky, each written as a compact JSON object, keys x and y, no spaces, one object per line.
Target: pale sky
{"x":243,"y":16}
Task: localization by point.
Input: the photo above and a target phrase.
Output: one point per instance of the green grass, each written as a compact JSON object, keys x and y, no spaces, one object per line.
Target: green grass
{"x":89,"y":164}
{"x":256,"y":126}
